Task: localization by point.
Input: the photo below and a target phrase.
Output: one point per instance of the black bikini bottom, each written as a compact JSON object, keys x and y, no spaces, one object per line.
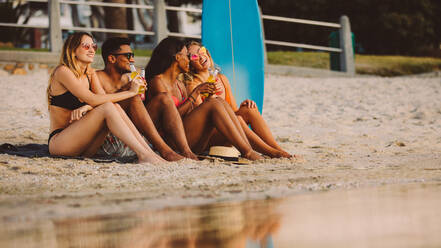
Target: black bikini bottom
{"x":53,"y":133}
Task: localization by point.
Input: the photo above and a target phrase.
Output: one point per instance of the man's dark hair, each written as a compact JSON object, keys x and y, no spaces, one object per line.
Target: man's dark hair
{"x":163,"y":56}
{"x":113,"y":45}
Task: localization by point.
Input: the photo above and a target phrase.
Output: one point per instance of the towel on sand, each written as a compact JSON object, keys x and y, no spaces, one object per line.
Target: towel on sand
{"x":42,"y":150}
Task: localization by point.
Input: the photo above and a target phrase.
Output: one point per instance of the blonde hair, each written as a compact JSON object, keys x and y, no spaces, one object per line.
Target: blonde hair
{"x":189,"y":76}
{"x":68,"y":58}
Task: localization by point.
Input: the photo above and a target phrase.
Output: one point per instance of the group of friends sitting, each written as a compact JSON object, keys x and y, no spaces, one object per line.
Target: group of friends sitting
{"x":101,"y":112}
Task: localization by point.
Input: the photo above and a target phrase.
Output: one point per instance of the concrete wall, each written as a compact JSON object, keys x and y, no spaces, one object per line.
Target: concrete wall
{"x":52,"y":59}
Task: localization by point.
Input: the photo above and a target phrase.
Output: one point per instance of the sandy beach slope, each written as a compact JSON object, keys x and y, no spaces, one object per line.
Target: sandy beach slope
{"x":353,"y":132}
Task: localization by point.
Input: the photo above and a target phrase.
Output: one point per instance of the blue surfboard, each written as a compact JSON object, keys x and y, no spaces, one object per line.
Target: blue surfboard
{"x":232,"y":32}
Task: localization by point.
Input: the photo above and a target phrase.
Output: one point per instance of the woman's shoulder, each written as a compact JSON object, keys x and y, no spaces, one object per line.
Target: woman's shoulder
{"x":156,"y":85}
{"x":224,"y":79}
{"x":222,"y":76}
{"x":61,"y":71}
{"x":155,"y":80}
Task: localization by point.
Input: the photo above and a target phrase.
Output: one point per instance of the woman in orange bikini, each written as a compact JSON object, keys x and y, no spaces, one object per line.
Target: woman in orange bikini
{"x":80,"y":119}
{"x":259,"y":135}
{"x":168,"y":61}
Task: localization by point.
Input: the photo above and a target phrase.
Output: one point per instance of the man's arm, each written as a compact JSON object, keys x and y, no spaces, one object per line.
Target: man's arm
{"x":95,"y":83}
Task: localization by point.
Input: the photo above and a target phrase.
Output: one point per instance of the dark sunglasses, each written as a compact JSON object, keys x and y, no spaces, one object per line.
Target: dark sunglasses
{"x":87,"y":46}
{"x":128,"y":55}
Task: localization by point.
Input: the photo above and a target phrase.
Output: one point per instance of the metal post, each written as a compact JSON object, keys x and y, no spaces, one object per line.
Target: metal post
{"x":160,"y":23}
{"x":347,"y":55}
{"x":54,"y":26}
{"x":265,"y":55}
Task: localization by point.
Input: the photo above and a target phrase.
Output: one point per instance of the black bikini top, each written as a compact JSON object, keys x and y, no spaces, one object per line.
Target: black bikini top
{"x":67,"y":100}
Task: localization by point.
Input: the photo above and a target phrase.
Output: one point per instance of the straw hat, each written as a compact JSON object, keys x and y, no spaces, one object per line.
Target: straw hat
{"x":225,"y":152}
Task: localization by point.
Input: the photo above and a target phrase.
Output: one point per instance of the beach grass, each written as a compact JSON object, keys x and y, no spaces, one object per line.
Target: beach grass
{"x":303,"y":59}
{"x":395,"y":65}
{"x":365,"y":64}
{"x":142,"y":53}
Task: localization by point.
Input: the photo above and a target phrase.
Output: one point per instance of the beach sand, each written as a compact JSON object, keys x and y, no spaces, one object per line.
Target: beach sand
{"x":353,"y":132}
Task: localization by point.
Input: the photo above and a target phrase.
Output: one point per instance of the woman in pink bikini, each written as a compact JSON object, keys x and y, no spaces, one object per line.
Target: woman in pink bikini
{"x":259,"y":135}
{"x":168,"y":61}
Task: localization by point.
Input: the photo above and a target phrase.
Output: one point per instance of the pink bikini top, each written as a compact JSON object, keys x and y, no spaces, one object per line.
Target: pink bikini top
{"x":176,"y":100}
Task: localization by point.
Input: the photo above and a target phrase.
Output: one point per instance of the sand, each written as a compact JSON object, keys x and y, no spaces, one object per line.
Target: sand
{"x":353,"y":132}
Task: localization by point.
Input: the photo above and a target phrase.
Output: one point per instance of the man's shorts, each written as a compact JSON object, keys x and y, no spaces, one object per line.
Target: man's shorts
{"x":114,"y":147}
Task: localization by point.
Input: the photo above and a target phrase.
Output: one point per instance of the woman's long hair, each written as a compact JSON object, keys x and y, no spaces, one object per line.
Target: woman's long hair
{"x":189,"y":76}
{"x":68,"y":57}
{"x":163,"y":57}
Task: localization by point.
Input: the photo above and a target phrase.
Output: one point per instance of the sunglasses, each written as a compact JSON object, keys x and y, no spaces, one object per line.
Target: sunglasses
{"x":128,"y":55}
{"x":87,"y":46}
{"x":202,"y":51}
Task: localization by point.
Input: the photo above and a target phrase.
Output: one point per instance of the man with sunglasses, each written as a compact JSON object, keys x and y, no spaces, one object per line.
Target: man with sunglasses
{"x":118,"y":55}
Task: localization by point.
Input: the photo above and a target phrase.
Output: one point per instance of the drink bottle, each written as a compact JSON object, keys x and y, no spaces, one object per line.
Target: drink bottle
{"x":142,"y":95}
{"x":211,"y":79}
{"x":133,"y":75}
{"x":133,"y":72}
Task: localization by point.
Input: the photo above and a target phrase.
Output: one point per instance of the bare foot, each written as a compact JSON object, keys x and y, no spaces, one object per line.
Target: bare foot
{"x":190,"y":155}
{"x":171,"y":156}
{"x":279,"y":154}
{"x":153,"y":159}
{"x":286,"y":155}
{"x":252,"y":155}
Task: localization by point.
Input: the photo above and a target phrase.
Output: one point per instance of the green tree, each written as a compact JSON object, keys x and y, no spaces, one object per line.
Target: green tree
{"x":382,"y":27}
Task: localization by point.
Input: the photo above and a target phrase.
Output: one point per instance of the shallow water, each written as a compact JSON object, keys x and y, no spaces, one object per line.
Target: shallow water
{"x":385,"y":216}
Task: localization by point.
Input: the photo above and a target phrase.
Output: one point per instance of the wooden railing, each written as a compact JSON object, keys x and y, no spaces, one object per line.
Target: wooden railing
{"x":160,"y":28}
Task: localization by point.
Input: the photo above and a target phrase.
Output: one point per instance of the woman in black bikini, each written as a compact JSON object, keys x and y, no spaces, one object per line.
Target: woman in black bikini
{"x":80,"y":119}
{"x":170,"y":59}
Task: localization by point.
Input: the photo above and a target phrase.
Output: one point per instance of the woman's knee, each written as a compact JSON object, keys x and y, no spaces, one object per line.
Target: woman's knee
{"x":247,"y":112}
{"x":108,"y":107}
{"x":163,"y":98}
{"x":214,"y":104}
{"x":118,"y":107}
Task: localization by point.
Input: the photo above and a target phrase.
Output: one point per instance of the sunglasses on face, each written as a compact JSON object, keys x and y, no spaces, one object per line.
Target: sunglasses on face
{"x":202,"y":51}
{"x":128,"y":55}
{"x":87,"y":46}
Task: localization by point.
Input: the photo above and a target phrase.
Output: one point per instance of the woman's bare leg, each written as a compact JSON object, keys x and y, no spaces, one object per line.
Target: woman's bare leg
{"x":163,"y":112}
{"x":97,"y":142}
{"x":252,"y":117}
{"x":142,"y":120}
{"x":255,"y":141}
{"x":200,"y":122}
{"x":233,"y":117}
{"x":76,"y":138}
{"x":259,"y":145}
{"x":135,"y":132}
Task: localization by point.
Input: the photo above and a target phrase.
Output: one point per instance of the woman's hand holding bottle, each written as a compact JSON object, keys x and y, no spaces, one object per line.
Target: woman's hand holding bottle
{"x":204,"y":89}
{"x":212,"y":79}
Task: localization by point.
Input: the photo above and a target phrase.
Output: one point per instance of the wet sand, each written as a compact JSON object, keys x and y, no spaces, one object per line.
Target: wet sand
{"x":353,"y":133}
{"x":383,"y":216}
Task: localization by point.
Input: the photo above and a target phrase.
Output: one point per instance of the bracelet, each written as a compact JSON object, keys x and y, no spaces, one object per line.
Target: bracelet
{"x":191,"y":97}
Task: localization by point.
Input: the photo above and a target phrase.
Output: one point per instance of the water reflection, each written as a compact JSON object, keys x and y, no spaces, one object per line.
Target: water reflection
{"x":248,"y":224}
{"x":386,"y":216}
